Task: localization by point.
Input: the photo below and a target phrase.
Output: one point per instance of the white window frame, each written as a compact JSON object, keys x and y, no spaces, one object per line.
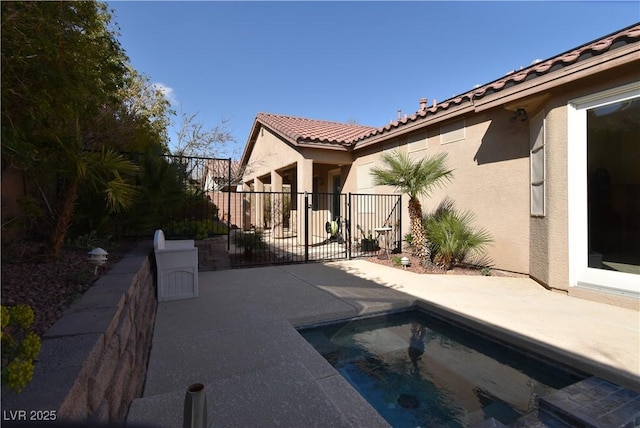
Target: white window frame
{"x":580,"y":274}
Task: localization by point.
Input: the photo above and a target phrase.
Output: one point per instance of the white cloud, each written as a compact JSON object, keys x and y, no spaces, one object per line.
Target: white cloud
{"x":168,"y":92}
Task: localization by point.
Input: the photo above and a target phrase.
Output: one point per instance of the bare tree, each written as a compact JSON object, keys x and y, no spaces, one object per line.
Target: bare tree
{"x":195,"y":140}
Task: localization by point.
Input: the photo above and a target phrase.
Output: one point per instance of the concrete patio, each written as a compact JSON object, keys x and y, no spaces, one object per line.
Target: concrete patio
{"x":239,"y":338}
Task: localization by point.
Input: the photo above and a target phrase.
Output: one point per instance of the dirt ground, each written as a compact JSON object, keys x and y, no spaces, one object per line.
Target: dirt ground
{"x":416,"y":267}
{"x":49,"y":287}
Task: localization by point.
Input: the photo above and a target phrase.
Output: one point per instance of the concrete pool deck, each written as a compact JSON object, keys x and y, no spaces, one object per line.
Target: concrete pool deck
{"x":238,"y":338}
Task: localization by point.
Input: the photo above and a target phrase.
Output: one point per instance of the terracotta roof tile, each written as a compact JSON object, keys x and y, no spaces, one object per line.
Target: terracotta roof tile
{"x":631,"y":34}
{"x":303,"y":130}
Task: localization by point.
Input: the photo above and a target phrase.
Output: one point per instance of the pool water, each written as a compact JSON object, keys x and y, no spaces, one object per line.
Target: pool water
{"x":420,"y":371}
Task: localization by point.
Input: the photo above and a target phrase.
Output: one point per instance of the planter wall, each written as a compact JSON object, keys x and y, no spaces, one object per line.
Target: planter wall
{"x":93,"y":360}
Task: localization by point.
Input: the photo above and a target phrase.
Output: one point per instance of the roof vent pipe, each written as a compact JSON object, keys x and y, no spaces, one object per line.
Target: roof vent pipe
{"x":399,"y":114}
{"x":423,"y":104}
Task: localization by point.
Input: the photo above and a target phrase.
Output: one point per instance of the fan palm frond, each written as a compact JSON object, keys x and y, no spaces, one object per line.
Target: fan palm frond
{"x":413,"y":177}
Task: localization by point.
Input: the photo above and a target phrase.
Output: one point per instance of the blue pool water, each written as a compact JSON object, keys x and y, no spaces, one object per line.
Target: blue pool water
{"x":420,"y":371}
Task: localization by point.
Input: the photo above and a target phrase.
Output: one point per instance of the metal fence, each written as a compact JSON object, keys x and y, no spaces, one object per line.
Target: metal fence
{"x":188,"y":197}
{"x":286,"y":227}
{"x":193,"y":198}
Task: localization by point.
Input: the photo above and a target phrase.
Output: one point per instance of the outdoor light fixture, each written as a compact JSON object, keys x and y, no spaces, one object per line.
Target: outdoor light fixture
{"x":520,"y":113}
{"x":405,"y":262}
{"x":98,"y":257}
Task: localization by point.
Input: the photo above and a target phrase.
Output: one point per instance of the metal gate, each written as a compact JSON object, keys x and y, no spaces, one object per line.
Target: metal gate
{"x":287,"y":227}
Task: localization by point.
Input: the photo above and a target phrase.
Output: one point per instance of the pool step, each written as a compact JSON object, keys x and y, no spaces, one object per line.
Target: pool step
{"x":535,"y":419}
{"x":539,"y":419}
{"x":594,"y":402}
{"x":590,"y":403}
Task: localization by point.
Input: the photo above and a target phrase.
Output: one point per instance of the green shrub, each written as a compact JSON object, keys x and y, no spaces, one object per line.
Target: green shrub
{"x":20,"y":346}
{"x":452,"y":239}
{"x":397,"y":260}
{"x":89,"y":241}
{"x":250,"y":241}
{"x":408,"y":238}
{"x":197,"y":229}
{"x":253,"y":240}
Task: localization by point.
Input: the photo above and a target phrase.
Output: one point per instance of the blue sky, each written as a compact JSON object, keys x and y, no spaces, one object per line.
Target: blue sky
{"x":344,"y":61}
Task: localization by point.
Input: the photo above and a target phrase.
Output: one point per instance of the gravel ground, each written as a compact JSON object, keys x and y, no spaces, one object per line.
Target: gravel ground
{"x":49,"y":287}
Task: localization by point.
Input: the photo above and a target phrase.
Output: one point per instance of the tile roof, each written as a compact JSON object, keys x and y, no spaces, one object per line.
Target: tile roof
{"x":303,"y":130}
{"x":628,"y":35}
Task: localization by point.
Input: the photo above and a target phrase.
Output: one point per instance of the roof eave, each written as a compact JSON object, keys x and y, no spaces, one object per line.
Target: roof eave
{"x":248,"y":147}
{"x":253,"y":136}
{"x":566,"y":74}
{"x":538,"y":85}
{"x":323,"y":145}
{"x":429,"y":119}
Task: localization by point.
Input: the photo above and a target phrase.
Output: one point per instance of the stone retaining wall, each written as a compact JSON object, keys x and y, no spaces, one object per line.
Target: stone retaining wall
{"x":93,"y":360}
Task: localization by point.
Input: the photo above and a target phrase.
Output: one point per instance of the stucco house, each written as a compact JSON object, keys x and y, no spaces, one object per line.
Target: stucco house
{"x":547,"y":157}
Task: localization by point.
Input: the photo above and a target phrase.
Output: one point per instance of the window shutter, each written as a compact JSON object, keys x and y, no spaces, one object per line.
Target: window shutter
{"x":537,"y":167}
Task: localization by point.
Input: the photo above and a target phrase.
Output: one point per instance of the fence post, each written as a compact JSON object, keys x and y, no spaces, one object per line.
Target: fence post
{"x":348,"y":224}
{"x":229,"y":207}
{"x":306,"y":227}
{"x":400,"y":222}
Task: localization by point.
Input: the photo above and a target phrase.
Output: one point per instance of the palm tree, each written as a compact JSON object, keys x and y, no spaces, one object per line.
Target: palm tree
{"x":453,"y":240}
{"x":415,"y":178}
{"x":105,"y":171}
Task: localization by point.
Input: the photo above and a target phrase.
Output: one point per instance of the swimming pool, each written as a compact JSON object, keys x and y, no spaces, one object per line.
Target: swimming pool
{"x":419,"y":370}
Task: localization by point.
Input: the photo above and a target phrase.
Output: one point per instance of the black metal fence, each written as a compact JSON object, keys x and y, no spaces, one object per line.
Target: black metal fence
{"x":286,"y":227}
{"x":193,"y":198}
{"x":186,"y":196}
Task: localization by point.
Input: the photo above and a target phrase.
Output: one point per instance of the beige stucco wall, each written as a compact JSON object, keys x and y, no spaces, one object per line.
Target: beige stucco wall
{"x":269,"y":153}
{"x":549,"y":234}
{"x":327,"y":156}
{"x":491,"y":178}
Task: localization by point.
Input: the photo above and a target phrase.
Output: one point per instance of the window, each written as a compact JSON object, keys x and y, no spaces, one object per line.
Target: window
{"x":417,"y":149}
{"x":536,"y":158}
{"x":451,"y":132}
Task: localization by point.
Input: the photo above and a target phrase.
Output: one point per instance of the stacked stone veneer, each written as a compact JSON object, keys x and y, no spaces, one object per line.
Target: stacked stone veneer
{"x":94,"y":359}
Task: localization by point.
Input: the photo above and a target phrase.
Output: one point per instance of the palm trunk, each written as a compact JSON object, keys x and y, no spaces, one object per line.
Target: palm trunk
{"x":64,"y":216}
{"x":417,"y":230}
